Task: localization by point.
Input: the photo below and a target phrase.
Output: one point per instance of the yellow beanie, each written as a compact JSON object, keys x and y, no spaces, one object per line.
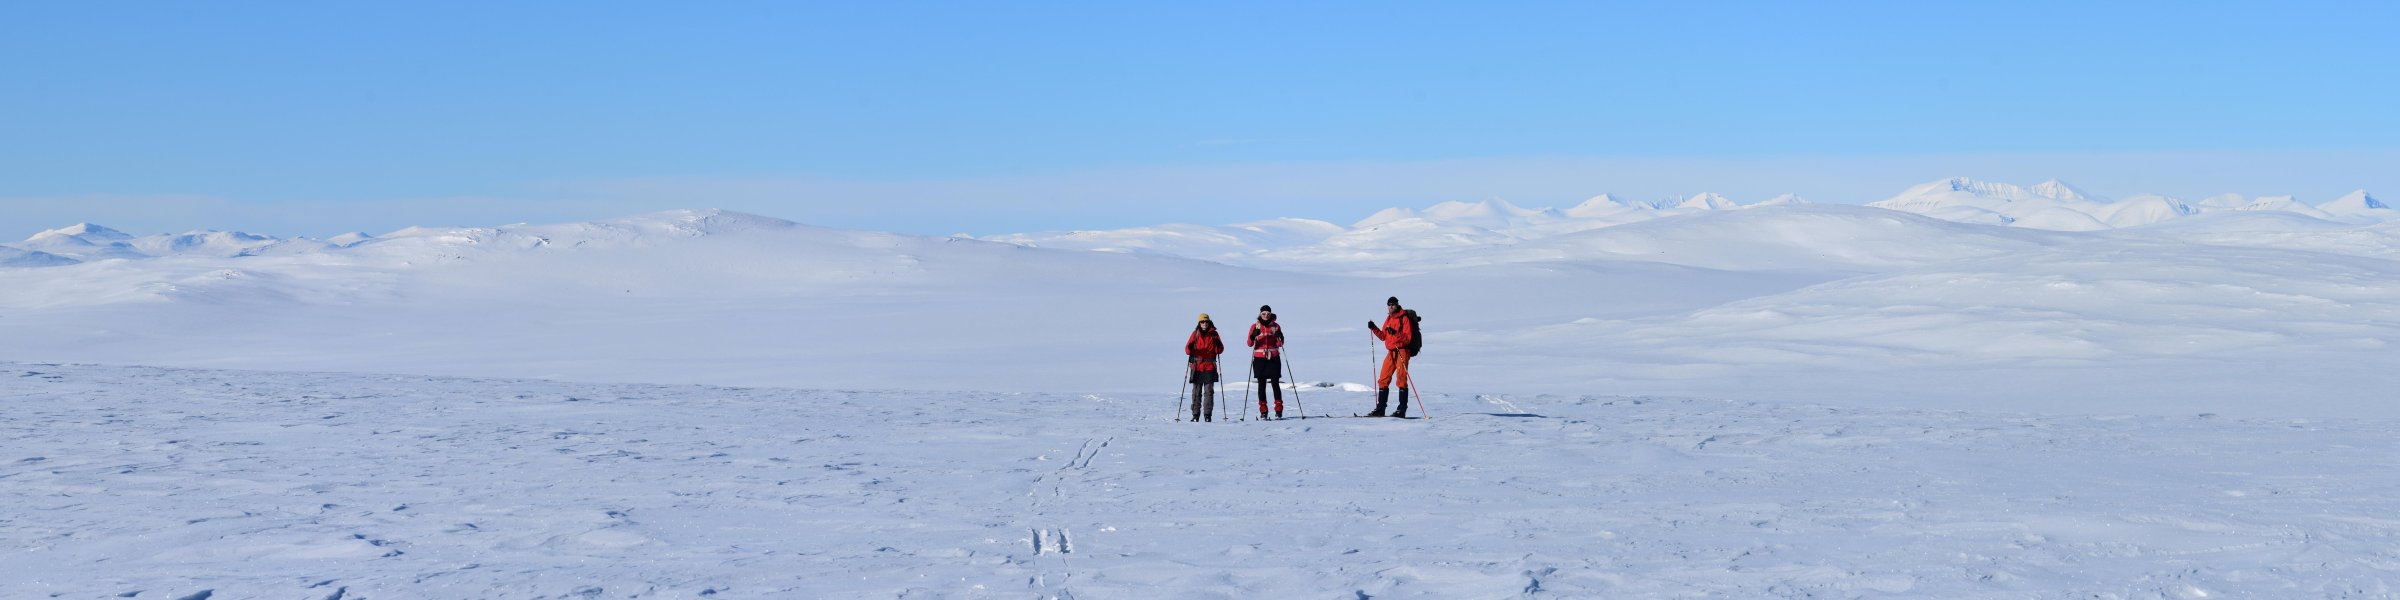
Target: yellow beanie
{"x":1203,"y":316}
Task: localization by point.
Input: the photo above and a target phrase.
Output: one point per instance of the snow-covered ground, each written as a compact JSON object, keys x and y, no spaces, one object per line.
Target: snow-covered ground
{"x":1970,"y":390}
{"x":163,"y":483}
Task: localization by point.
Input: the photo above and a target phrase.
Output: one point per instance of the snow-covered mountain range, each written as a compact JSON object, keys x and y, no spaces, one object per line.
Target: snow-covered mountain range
{"x":2050,"y":205}
{"x":1286,"y":242}
{"x":2055,"y":205}
{"x":1455,"y":224}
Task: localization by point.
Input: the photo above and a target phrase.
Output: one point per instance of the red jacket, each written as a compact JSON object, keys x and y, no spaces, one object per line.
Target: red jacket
{"x":1396,"y":331}
{"x":1266,"y":339}
{"x":1203,"y":347}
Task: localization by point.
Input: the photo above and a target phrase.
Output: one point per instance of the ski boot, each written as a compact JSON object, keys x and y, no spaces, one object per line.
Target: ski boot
{"x":1382,"y":396}
{"x":1403,"y":412}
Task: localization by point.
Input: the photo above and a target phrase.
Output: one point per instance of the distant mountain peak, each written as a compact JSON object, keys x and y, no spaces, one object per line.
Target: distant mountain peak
{"x":1387,"y":215}
{"x":1976,"y":186}
{"x":1708,"y":201}
{"x":1604,"y":204}
{"x":2357,"y":200}
{"x":700,"y":222}
{"x":2060,"y":190}
{"x":1985,"y":195}
{"x":85,"y":231}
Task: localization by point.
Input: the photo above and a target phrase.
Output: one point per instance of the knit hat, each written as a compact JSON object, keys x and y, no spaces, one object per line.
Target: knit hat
{"x":1265,"y":309}
{"x":1203,"y":316}
{"x":1392,"y":301}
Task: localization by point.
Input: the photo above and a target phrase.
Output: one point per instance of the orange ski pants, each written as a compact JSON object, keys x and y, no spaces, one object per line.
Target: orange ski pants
{"x":1395,"y":365}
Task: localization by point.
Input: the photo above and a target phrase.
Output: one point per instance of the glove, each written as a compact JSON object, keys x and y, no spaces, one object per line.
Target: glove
{"x":1371,"y":326}
{"x":1191,"y":360}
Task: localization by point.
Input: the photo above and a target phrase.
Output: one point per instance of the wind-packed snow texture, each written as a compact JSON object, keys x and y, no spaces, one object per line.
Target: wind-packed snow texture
{"x":159,"y":483}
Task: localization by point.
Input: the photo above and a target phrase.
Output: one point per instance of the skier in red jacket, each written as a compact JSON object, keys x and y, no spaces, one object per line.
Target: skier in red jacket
{"x":1266,"y":360}
{"x":1201,"y":350}
{"x":1398,"y":333}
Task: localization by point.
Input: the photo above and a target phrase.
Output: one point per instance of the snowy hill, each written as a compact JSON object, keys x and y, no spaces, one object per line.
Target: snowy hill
{"x":2051,"y":204}
{"x":642,"y":230}
{"x":2057,"y":206}
{"x":1387,"y":236}
{"x":86,"y":241}
{"x":1603,"y":205}
{"x":12,"y":257}
{"x":2145,"y":209}
{"x":1187,"y":240}
{"x":2360,"y":207}
{"x":1707,"y":201}
{"x":1783,"y":237}
{"x":83,"y":241}
{"x":1783,"y":200}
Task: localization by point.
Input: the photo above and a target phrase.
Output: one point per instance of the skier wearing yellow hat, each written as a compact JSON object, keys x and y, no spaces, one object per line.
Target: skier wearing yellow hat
{"x":1201,"y":351}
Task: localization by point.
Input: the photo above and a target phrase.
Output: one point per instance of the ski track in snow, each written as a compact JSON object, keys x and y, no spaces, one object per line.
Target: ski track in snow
{"x":165,"y":483}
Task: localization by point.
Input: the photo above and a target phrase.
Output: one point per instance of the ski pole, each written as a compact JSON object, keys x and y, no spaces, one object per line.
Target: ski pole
{"x":1288,"y":374}
{"x":1251,"y":372}
{"x":1216,"y":395}
{"x":1181,"y":388}
{"x":1421,"y":403}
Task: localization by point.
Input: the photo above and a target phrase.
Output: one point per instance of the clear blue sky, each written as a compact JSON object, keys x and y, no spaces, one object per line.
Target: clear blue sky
{"x":984,"y":117}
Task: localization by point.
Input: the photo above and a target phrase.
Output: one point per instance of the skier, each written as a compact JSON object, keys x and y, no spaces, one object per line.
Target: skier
{"x":1266,"y":360}
{"x":1398,"y":332}
{"x":1201,"y":351}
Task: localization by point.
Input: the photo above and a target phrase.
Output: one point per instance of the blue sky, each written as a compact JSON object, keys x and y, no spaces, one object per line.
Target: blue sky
{"x":316,"y":118}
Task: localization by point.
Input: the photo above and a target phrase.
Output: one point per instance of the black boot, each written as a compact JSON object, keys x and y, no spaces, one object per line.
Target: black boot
{"x":1382,"y":396}
{"x":1403,"y":412}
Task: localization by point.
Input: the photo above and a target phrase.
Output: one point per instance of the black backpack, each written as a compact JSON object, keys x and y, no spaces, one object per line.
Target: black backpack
{"x":1416,"y":330}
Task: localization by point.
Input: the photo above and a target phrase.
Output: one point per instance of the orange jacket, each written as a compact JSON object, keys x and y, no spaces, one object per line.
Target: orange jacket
{"x":1396,"y":331}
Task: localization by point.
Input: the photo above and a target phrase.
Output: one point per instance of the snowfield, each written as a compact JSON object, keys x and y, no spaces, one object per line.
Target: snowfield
{"x":165,"y":483}
{"x":1842,"y":305}
{"x":1970,"y":390}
